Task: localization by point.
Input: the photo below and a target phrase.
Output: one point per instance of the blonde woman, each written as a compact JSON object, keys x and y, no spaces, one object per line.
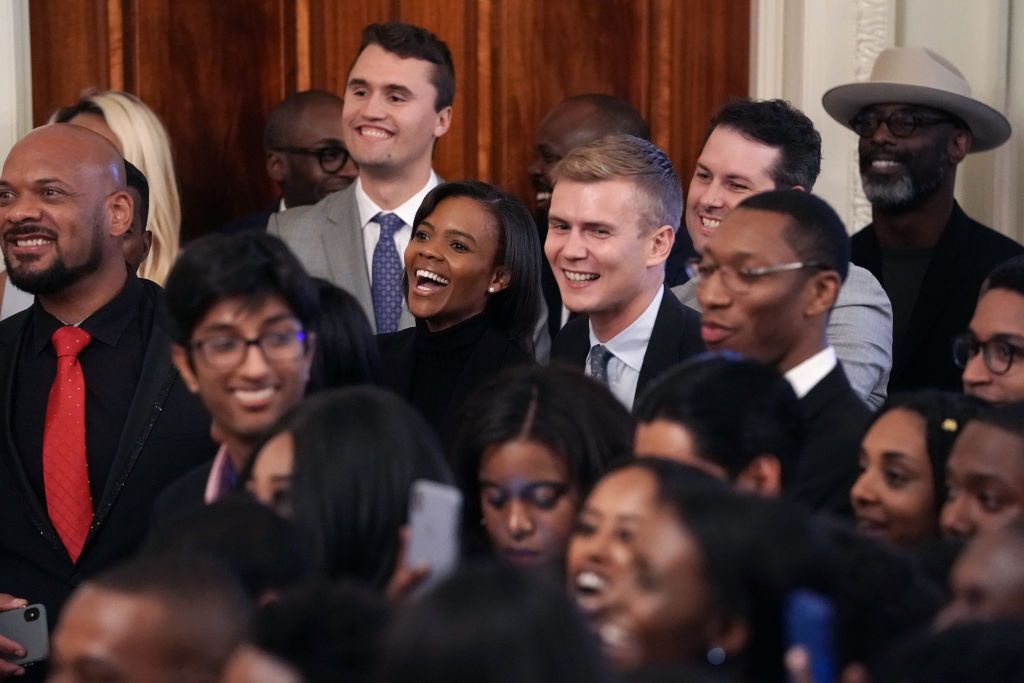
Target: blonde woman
{"x":142,"y":139}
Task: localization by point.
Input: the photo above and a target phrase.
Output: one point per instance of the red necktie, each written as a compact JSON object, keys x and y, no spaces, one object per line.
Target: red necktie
{"x":65,"y":472}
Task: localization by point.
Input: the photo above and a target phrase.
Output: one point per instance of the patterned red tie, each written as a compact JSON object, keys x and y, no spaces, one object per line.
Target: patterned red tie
{"x":65,"y":472}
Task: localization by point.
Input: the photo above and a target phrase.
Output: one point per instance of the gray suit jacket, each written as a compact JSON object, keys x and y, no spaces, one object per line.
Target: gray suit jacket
{"x":327,"y":237}
{"x":860,"y":329}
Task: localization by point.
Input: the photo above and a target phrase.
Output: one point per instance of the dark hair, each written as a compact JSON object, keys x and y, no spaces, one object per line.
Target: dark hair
{"x":491,"y":624}
{"x":517,"y":307}
{"x":82,"y":106}
{"x":252,"y":265}
{"x":205,"y":612}
{"x":611,"y":114}
{"x":558,"y":407}
{"x":1007,"y":275}
{"x":944,"y":414}
{"x":413,"y":42}
{"x":346,"y":347}
{"x":260,"y":547}
{"x":962,"y":654}
{"x":135,"y":179}
{"x":735,"y":410}
{"x":813,"y":228}
{"x":778,"y":124}
{"x":285,"y":115}
{"x":328,"y":634}
{"x":754,"y":553}
{"x":357,"y":452}
{"x":1008,"y":417}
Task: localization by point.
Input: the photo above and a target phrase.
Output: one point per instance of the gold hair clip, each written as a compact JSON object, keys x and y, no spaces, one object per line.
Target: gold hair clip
{"x":949,"y":425}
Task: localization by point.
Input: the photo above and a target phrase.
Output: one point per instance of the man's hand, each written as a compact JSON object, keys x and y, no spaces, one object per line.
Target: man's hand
{"x":9,"y":648}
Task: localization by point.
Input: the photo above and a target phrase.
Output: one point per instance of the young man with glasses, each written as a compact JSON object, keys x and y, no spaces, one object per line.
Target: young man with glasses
{"x":916,"y":122}
{"x":245,"y":313}
{"x":305,"y":155}
{"x":991,"y":352}
{"x":767,"y":280}
{"x":398,"y":103}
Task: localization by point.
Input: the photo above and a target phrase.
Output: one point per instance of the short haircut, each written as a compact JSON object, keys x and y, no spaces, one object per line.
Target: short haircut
{"x":813,"y":229}
{"x":778,"y":124}
{"x":944,"y":414}
{"x":135,"y":179}
{"x":206,"y":612}
{"x":734,"y":409}
{"x":413,"y":42}
{"x":1007,"y":275}
{"x":251,"y":265}
{"x":629,"y":158}
{"x":1007,"y":417}
{"x":613,"y":114}
{"x":328,"y":634}
{"x":517,"y":306}
{"x":286,"y":114}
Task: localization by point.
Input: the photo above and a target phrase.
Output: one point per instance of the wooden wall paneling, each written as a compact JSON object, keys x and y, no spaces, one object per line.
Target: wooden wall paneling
{"x":212,"y":72}
{"x":69,"y":52}
{"x":335,"y":31}
{"x":550,"y":50}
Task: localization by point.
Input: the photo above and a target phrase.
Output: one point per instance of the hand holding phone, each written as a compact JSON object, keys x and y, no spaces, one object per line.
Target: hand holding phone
{"x":434,"y":511}
{"x":24,"y":636}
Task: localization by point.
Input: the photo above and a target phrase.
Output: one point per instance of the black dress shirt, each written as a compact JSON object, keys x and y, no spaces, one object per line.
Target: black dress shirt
{"x":111,"y":363}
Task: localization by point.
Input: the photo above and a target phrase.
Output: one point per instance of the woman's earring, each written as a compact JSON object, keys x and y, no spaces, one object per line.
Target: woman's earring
{"x":490,"y":290}
{"x":716,"y":656}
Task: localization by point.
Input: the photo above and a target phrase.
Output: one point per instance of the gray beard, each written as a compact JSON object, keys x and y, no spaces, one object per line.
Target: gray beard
{"x":904,"y":192}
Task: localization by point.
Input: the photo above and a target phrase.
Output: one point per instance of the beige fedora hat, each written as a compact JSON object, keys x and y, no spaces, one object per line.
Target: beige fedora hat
{"x":916,"y":75}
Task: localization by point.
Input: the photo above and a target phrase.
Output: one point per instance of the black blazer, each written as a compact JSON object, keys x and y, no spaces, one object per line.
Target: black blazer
{"x":966,"y":253}
{"x":493,"y":353}
{"x":166,"y":433}
{"x":675,"y":337}
{"x":834,"y":419}
{"x":182,"y":496}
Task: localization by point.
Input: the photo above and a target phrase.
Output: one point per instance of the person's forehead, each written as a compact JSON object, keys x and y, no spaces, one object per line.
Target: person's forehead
{"x":238,"y":311}
{"x":987,"y":449}
{"x":999,"y":311}
{"x":750,"y":232}
{"x":732,"y":152}
{"x":63,"y":154}
{"x":381,"y":68}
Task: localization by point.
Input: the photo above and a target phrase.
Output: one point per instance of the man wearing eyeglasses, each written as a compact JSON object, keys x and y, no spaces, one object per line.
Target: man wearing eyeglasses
{"x":766,"y":282}
{"x":245,"y":313}
{"x":305,"y":155}
{"x":991,"y":352}
{"x":916,"y":121}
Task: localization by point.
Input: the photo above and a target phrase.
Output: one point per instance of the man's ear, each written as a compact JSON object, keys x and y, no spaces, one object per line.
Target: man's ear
{"x":763,"y":476}
{"x":181,"y":360}
{"x":731,"y":634}
{"x":277,"y":167}
{"x":660,"y":243}
{"x":824,"y":290}
{"x":959,"y":145}
{"x":444,"y":121}
{"x":120,"y":206}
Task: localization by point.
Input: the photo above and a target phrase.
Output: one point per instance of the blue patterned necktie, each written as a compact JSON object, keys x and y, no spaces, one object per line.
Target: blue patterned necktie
{"x":386,"y":284}
{"x":599,"y":357}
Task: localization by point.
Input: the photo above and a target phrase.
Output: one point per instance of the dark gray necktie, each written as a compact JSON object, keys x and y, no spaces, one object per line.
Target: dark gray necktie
{"x":599,"y":357}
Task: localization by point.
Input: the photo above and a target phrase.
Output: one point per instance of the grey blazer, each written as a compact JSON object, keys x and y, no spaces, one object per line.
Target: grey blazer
{"x":860,"y":330}
{"x":327,"y":237}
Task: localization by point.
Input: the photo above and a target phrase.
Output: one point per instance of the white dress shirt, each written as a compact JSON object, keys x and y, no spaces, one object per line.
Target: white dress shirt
{"x":628,"y":349}
{"x":368,"y":209}
{"x":806,"y":376}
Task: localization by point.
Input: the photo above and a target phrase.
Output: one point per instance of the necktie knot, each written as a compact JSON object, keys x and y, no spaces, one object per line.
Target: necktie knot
{"x":389,"y":223}
{"x":69,"y":341}
{"x":599,"y":357}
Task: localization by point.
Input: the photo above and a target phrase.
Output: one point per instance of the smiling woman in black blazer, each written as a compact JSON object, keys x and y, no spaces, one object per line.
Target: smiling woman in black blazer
{"x":472,"y":273}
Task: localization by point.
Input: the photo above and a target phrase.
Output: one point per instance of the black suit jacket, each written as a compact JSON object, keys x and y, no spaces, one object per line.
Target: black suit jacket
{"x":966,"y":253}
{"x":675,"y":337}
{"x":166,"y":433}
{"x":182,"y":496}
{"x":834,"y":419}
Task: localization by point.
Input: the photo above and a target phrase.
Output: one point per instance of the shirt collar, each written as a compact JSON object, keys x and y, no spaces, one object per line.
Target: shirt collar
{"x":806,"y":375}
{"x":630,"y":345}
{"x":105,"y":325}
{"x":368,"y":209}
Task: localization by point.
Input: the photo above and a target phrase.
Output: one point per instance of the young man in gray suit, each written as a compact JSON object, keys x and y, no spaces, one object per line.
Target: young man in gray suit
{"x":398,"y":102}
{"x":756,"y":146}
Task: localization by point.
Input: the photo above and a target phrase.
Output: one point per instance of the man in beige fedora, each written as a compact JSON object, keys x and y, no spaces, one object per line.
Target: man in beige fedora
{"x":917,"y":121}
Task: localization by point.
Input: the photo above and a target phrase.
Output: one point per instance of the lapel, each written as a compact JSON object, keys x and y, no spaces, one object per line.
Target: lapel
{"x":666,"y":345}
{"x":943,"y":277}
{"x":37,"y":510}
{"x":824,"y":392}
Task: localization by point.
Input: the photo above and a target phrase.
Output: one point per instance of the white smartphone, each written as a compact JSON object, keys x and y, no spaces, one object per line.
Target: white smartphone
{"x":434,"y":511}
{"x":27,"y":627}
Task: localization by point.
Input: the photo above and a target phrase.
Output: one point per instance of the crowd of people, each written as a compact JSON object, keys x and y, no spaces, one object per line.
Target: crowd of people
{"x":697,"y":437}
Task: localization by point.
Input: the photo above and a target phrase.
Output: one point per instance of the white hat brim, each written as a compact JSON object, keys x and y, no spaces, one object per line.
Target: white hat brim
{"x":989,"y":128}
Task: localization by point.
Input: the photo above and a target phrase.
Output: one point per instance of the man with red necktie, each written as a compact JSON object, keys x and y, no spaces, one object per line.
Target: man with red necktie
{"x":94,"y":420}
